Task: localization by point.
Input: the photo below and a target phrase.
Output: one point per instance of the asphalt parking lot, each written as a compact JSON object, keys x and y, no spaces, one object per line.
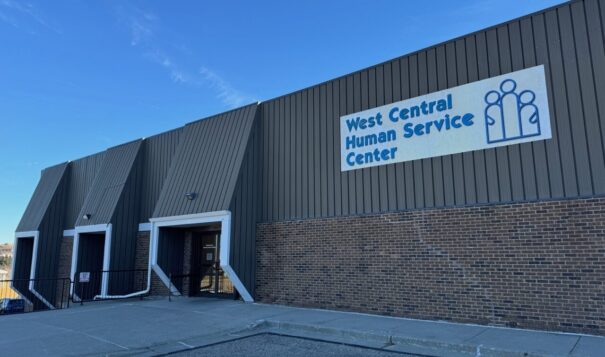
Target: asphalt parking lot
{"x":266,"y":344}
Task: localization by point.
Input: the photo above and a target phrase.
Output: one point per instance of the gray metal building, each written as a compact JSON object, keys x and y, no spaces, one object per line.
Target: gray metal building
{"x":277,"y":164}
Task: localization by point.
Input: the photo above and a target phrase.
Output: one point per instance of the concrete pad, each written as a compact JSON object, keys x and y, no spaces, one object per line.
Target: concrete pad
{"x":428,"y":351}
{"x":526,"y":341}
{"x":438,"y":332}
{"x":157,"y":326}
{"x":589,"y":346}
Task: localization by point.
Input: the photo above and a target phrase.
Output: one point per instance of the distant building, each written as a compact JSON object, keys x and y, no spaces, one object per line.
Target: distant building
{"x":3,"y":274}
{"x":6,"y":250}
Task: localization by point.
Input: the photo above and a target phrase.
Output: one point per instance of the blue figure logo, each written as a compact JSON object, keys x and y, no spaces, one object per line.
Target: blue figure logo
{"x":510,"y":115}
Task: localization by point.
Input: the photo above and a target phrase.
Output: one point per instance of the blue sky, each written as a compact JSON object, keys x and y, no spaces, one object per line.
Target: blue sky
{"x":77,"y":77}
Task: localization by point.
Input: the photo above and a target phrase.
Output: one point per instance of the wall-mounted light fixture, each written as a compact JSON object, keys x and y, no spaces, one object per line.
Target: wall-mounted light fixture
{"x":190,"y":196}
{"x":86,"y":217}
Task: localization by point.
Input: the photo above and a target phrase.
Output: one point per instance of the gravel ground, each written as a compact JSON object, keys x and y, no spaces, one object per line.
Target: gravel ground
{"x":268,"y":345}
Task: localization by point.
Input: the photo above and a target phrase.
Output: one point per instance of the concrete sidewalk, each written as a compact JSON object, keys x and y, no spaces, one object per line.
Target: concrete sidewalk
{"x":156,"y":327}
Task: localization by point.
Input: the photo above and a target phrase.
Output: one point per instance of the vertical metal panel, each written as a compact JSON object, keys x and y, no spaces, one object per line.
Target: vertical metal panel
{"x":109,"y":184}
{"x":574,"y":103}
{"x":125,"y":222}
{"x":468,"y":168}
{"x":50,"y":237}
{"x":410,"y":89}
{"x":45,"y":214}
{"x":586,"y":104}
{"x":567,"y":40}
{"x":323,"y":162}
{"x":245,"y":211}
{"x":171,"y":245}
{"x":41,"y":199}
{"x":315,"y":168}
{"x":560,"y":108}
{"x":555,"y":166}
{"x":157,"y":155}
{"x":595,"y":73}
{"x":391,"y":187}
{"x":527,"y":191}
{"x":206,"y":163}
{"x":424,"y":176}
{"x":399,"y":69}
{"x":82,"y":173}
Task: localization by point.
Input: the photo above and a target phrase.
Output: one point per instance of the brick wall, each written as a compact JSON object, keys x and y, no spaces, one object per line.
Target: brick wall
{"x":157,"y":286}
{"x":142,"y":262}
{"x":142,"y":251}
{"x":64,"y":271}
{"x":533,"y":265}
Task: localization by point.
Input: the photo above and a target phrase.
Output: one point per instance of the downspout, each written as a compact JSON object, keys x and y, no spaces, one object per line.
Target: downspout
{"x":136,"y":293}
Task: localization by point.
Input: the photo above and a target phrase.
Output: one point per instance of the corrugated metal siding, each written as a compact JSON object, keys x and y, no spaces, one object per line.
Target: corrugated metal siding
{"x":45,"y":213}
{"x":82,"y":173}
{"x":207,"y":162}
{"x":38,"y":204}
{"x":157,"y":157}
{"x":49,"y":240}
{"x":245,"y":210}
{"x":301,"y":174}
{"x":171,"y":246}
{"x":125,"y":225}
{"x":109,"y":183}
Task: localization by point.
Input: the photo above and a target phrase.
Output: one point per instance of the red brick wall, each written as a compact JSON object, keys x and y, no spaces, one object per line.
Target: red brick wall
{"x":142,"y":262}
{"x":64,"y":271}
{"x":142,"y":251}
{"x":535,"y":265}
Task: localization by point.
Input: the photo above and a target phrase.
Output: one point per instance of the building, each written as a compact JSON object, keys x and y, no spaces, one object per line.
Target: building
{"x":461,"y":182}
{"x":6,"y":250}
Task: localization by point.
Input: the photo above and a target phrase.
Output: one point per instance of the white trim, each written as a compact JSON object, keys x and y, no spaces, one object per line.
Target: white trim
{"x":27,"y":234}
{"x":144,"y":227}
{"x":223,"y":217}
{"x":30,"y":234}
{"x":97,"y":228}
{"x":32,"y":273}
{"x":196,"y":218}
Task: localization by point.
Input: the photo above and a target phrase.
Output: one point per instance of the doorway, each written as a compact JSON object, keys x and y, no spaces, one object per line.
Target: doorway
{"x":22,"y":268}
{"x":191,"y":257}
{"x":208,"y":279}
{"x":89,"y":266}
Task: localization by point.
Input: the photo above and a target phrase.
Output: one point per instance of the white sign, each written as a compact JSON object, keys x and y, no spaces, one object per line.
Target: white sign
{"x":498,"y":111}
{"x":84,"y":277}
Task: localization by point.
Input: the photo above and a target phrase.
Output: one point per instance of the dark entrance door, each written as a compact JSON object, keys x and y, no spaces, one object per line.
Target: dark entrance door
{"x":90,"y":260}
{"x":207,"y":276}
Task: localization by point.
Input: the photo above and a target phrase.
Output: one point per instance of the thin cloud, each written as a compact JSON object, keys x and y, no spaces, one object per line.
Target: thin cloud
{"x":226,"y":93}
{"x":143,"y":29}
{"x":24,"y":10}
{"x":177,"y":75}
{"x":139,"y":22}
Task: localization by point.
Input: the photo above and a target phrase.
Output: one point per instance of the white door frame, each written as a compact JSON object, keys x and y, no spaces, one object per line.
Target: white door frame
{"x":32,"y":274}
{"x":97,"y":228}
{"x":222,"y":217}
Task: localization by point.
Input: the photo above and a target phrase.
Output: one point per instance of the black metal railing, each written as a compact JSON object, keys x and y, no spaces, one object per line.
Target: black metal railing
{"x":210,"y":281}
{"x":89,"y":286}
{"x":28,"y":295}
